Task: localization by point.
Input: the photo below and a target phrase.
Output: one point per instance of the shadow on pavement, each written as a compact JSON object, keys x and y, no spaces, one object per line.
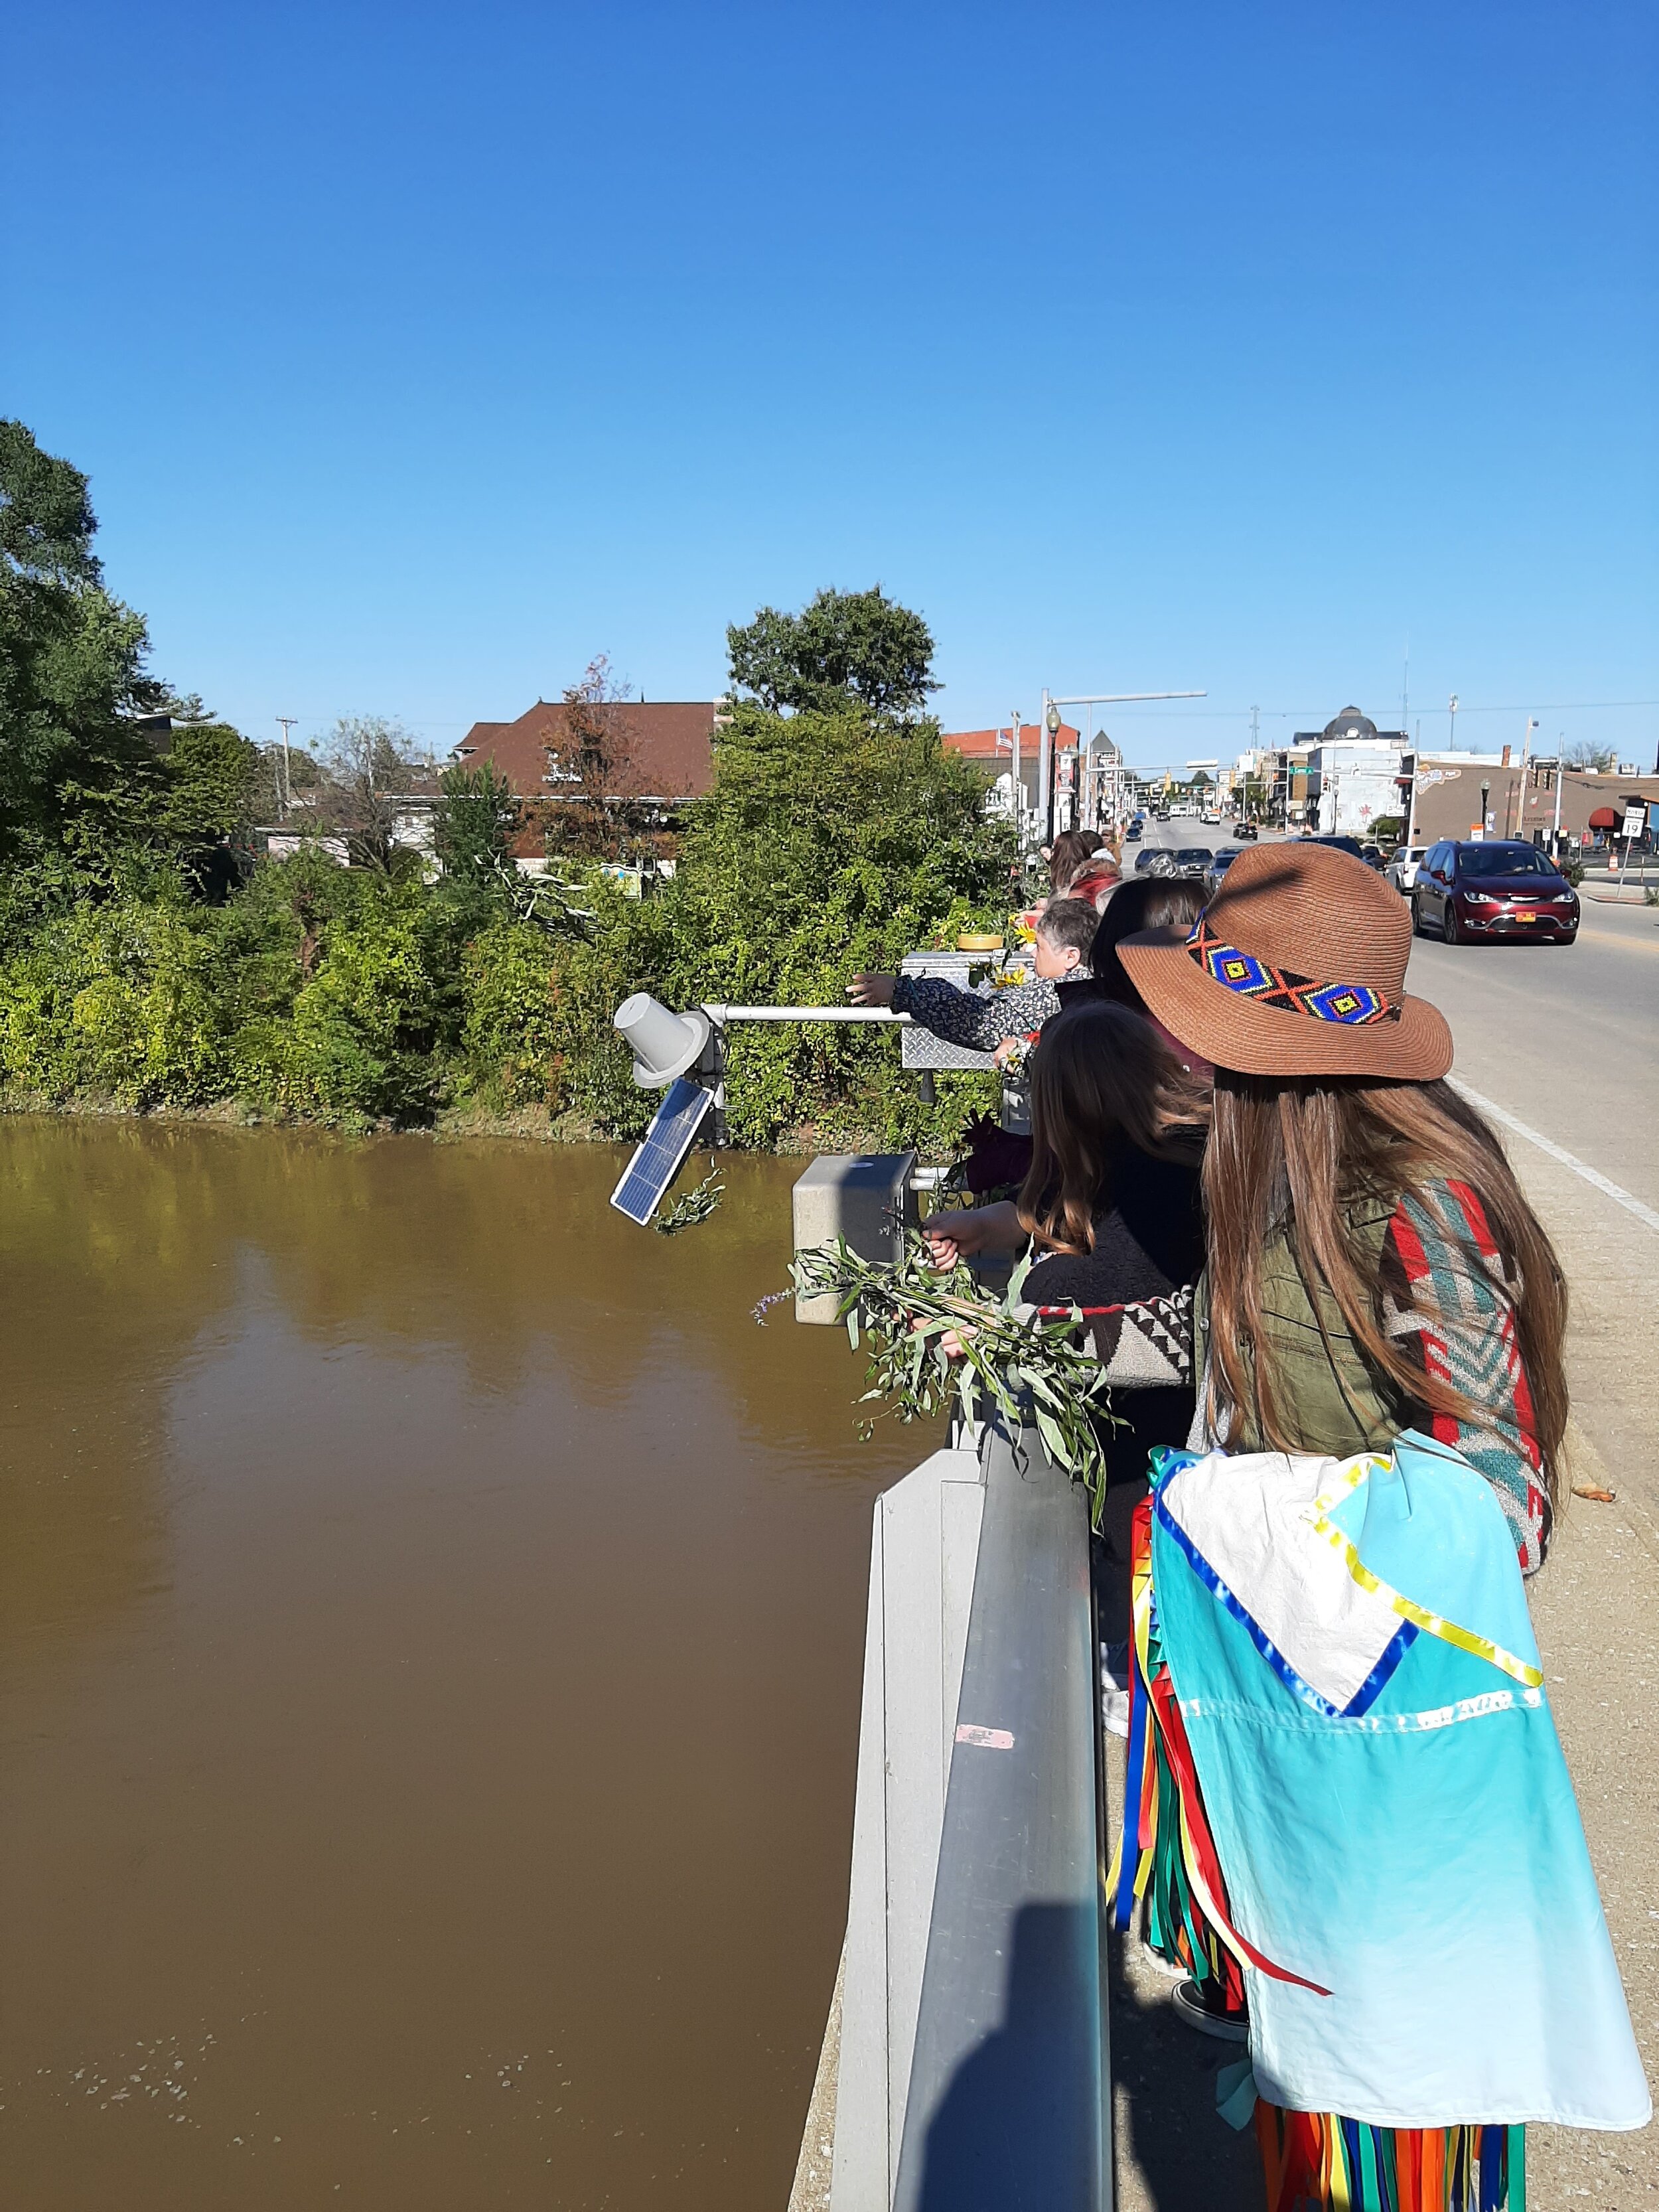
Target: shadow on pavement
{"x":1174,"y":2153}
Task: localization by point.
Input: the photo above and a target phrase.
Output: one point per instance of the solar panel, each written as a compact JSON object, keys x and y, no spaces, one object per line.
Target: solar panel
{"x":656,"y":1162}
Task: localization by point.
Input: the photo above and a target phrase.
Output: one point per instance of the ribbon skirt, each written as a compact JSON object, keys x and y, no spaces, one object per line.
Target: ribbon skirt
{"x":1166,"y":1860}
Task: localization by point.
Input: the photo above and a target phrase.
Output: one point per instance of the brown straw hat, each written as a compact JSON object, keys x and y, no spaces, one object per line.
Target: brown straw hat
{"x":1296,"y":967}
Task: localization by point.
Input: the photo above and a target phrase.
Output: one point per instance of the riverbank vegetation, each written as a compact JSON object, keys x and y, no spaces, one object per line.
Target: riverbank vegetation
{"x":151,"y":959}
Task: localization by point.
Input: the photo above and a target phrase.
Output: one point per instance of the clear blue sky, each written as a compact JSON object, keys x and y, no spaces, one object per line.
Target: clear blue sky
{"x":419,"y":353}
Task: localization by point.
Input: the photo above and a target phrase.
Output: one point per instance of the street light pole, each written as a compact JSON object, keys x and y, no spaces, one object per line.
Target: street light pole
{"x":1046,"y":769}
{"x":1485,"y":797}
{"x":1051,"y":708}
{"x":287,"y":722}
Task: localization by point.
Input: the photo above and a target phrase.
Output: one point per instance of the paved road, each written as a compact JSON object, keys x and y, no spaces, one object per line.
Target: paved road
{"x":1565,"y":1043}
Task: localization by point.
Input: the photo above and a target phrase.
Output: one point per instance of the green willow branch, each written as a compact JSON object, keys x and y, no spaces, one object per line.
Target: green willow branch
{"x":693,"y":1207}
{"x":1011,"y":1363}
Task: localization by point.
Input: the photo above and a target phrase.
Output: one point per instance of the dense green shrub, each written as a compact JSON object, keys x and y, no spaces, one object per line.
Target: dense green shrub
{"x":142,"y":964}
{"x":120,"y":1002}
{"x":829,"y":843}
{"x":510,"y":1037}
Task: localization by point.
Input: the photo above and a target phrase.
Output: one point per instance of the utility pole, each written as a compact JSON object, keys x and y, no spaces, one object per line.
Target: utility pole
{"x":1525,"y":755}
{"x":1451,"y":708}
{"x":1019,"y":795}
{"x":287,"y":722}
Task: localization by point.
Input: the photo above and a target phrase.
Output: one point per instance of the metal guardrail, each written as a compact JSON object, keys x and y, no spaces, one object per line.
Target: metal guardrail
{"x":1009,"y":2098}
{"x":722,"y":1014}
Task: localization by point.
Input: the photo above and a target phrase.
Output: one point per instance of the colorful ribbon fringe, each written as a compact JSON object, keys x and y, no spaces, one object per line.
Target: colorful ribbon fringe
{"x":1190,"y":1923}
{"x":1316,"y":2159}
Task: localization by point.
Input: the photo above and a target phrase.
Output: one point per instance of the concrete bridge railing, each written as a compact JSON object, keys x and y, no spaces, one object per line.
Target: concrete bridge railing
{"x":973,"y":2069}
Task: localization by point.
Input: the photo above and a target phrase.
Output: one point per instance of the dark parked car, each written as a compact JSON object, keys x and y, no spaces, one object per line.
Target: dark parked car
{"x":1342,"y":844}
{"x":1493,"y":888}
{"x":1146,"y":855}
{"x":1192,"y":860}
{"x":1131,"y":834}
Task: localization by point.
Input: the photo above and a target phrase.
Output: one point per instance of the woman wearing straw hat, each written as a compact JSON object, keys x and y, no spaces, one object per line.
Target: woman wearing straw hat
{"x":1371,"y":1264}
{"x":1371,"y":1260}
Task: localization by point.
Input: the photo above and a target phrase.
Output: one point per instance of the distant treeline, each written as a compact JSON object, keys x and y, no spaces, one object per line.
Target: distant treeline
{"x":148,"y":959}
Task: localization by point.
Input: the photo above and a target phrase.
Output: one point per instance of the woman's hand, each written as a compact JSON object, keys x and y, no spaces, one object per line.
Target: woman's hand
{"x":954,"y":1342}
{"x":960,"y":1232}
{"x":871,"y":990}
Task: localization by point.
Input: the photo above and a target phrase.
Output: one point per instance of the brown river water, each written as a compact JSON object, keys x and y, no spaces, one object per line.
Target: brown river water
{"x":431,"y":1617}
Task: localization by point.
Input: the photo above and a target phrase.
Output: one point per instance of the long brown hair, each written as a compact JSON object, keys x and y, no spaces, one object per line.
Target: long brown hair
{"x":1303,"y":1152}
{"x":1101,"y":1077}
{"x":1070,"y":855}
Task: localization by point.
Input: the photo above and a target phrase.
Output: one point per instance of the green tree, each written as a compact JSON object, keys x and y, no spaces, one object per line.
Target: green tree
{"x":210,"y":774}
{"x":830,"y":842}
{"x":73,"y":769}
{"x":844,"y":645}
{"x":476,"y":817}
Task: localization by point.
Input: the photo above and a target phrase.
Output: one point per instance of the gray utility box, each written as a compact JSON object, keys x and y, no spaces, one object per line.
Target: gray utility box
{"x":919,"y":1048}
{"x":864,"y":1197}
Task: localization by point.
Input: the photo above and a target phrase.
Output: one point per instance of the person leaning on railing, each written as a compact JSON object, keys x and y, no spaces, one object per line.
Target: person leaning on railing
{"x":1110,"y":1208}
{"x":980,"y":1021}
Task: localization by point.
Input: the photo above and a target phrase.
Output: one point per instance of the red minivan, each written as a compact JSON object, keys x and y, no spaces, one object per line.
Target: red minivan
{"x":1468,"y":892}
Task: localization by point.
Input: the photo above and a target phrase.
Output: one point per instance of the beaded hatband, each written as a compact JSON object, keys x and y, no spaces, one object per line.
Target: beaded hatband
{"x":1351,"y":1004}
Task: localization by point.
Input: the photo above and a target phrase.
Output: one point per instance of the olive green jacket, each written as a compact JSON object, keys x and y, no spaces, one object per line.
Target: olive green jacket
{"x":1449,"y":1306}
{"x":1329,"y":1398}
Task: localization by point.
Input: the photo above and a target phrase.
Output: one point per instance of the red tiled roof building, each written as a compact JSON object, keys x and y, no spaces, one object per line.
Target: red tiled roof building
{"x":668,"y":746}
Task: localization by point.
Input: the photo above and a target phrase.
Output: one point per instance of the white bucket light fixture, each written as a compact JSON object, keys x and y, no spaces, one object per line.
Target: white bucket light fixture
{"x":663,"y":1044}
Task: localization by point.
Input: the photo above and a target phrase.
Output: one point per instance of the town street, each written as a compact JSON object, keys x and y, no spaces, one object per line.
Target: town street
{"x":1564,"y":1044}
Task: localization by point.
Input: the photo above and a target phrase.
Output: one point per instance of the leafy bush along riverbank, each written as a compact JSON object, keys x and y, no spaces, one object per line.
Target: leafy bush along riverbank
{"x":345,"y":994}
{"x":141,"y":969}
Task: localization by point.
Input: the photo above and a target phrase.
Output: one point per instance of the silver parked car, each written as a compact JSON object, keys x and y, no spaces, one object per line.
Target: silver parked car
{"x":1402,"y":871}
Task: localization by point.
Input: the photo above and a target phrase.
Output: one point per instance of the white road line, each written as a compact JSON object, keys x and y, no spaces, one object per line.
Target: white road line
{"x":1615,"y":1191}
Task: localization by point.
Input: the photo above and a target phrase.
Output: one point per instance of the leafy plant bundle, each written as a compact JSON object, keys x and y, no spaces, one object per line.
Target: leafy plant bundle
{"x":1009,"y":1361}
{"x":691,"y":1206}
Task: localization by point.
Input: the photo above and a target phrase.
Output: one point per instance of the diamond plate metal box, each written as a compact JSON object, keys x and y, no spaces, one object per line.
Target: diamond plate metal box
{"x":919,"y":1048}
